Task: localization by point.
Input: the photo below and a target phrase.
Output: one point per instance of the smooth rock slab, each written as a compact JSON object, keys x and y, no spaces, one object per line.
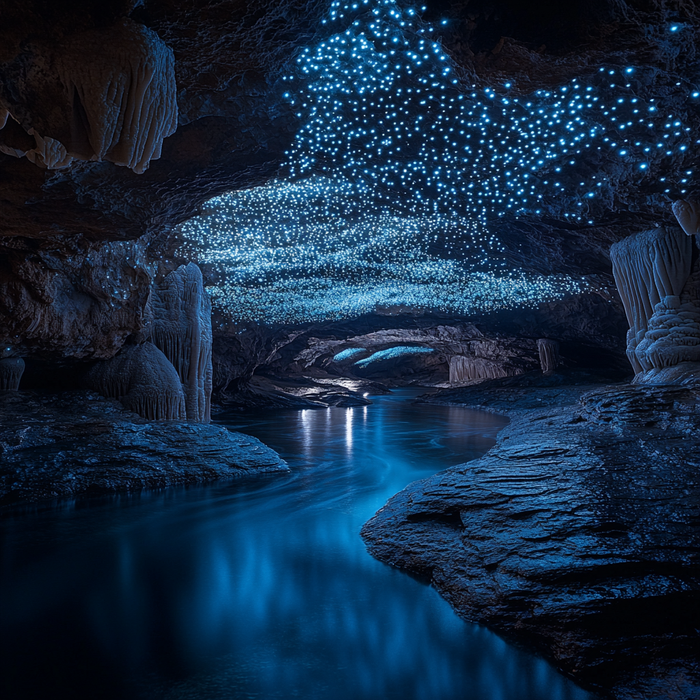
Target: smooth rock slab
{"x":578,"y":535}
{"x":73,"y":443}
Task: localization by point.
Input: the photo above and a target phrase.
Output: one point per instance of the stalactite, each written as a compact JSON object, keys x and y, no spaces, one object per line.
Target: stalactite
{"x":124,"y":101}
{"x":181,"y":328}
{"x":648,"y":267}
{"x":11,"y":370}
{"x":143,"y":380}
{"x":687,"y":212}
{"x":467,"y":368}
{"x":49,"y":153}
{"x":549,"y":354}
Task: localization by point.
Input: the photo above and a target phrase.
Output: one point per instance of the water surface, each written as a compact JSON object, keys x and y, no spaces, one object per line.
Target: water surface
{"x":259,"y":588}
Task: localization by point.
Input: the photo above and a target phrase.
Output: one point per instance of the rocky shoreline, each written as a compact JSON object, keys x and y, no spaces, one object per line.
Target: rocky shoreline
{"x":79,"y":443}
{"x":577,"y":535}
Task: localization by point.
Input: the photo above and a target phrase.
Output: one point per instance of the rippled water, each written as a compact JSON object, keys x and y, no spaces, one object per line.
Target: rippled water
{"x":255,"y":589}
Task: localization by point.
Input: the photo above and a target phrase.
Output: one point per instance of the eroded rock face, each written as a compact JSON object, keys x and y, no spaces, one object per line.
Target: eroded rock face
{"x":77,"y":299}
{"x":576,"y":535}
{"x":79,"y":443}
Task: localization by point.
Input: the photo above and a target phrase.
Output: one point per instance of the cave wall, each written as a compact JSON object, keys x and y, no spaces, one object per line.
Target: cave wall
{"x":589,"y":329}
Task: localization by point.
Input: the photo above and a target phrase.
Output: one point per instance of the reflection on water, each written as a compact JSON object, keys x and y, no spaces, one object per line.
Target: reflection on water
{"x":258,"y":589}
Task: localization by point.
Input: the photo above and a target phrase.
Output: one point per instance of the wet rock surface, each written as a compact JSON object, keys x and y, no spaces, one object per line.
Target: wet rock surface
{"x":319,"y":391}
{"x":79,"y":443}
{"x":577,"y":535}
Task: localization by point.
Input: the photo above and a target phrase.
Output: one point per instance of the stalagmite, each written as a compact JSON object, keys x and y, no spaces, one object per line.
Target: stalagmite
{"x":688,"y":214}
{"x":143,"y":380}
{"x":11,"y":370}
{"x":673,"y":334}
{"x":648,"y":267}
{"x":468,"y":368}
{"x":124,"y":100}
{"x":181,"y":328}
{"x":549,"y":354}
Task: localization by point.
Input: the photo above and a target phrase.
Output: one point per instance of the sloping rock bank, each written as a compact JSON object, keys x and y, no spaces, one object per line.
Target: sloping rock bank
{"x":79,"y":443}
{"x":578,"y":534}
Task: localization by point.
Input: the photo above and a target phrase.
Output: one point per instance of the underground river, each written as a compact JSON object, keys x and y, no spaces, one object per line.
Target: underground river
{"x":259,"y":588}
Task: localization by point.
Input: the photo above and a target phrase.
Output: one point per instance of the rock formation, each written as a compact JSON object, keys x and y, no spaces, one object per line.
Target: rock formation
{"x":49,"y":153}
{"x":80,"y":302}
{"x":181,"y":328}
{"x":118,"y":105}
{"x":469,"y":368}
{"x":87,"y":444}
{"x":687,"y":213}
{"x":651,"y":269}
{"x":11,"y":370}
{"x":576,"y":534}
{"x":142,"y":379}
{"x":549,"y":354}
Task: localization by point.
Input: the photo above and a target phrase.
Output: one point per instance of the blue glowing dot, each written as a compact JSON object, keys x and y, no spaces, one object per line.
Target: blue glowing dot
{"x":398,"y":168}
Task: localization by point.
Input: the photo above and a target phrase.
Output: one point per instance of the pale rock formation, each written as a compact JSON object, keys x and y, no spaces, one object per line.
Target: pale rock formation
{"x":181,"y":328}
{"x":142,"y":379}
{"x":688,"y":214}
{"x":124,"y":103}
{"x":11,"y":370}
{"x":549,"y":354}
{"x":673,"y":336}
{"x":468,"y":368}
{"x":648,"y":268}
{"x":49,"y":153}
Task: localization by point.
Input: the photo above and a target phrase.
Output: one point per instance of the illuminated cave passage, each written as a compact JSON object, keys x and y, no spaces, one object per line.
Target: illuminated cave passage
{"x":297,"y":298}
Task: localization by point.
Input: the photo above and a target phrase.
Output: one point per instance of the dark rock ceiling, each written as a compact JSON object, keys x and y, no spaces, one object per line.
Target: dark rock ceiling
{"x":233,"y":127}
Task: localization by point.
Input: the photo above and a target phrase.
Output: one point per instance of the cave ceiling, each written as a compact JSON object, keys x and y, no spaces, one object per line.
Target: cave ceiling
{"x":220,"y":119}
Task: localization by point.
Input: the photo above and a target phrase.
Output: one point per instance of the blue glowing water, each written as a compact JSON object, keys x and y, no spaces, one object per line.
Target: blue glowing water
{"x":259,"y":589}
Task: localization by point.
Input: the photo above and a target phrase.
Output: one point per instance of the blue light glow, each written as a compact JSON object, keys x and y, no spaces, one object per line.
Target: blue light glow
{"x":347,"y":354}
{"x":392,"y":354}
{"x":397,"y":169}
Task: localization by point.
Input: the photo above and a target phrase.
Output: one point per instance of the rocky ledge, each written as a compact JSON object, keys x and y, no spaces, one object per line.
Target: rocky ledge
{"x":577,"y":535}
{"x":75,"y":443}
